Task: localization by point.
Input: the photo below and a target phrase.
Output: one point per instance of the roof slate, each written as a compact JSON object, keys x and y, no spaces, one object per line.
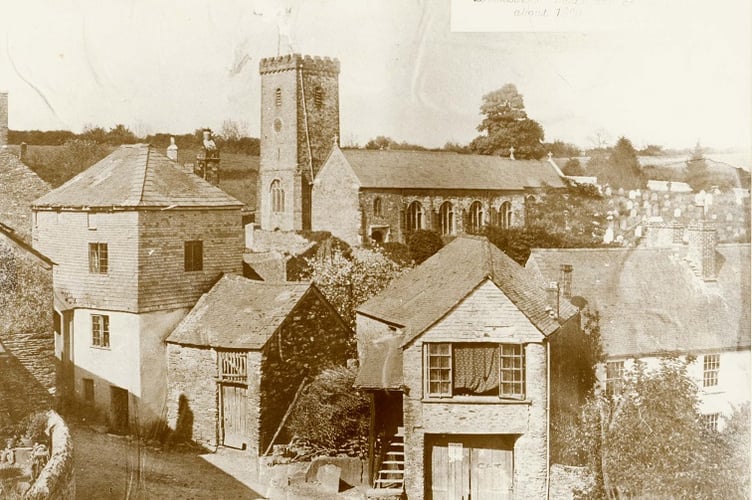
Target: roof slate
{"x":19,"y":186}
{"x":238,"y":313}
{"x":650,"y":301}
{"x":422,"y":296}
{"x":135,"y":176}
{"x":445,"y":170}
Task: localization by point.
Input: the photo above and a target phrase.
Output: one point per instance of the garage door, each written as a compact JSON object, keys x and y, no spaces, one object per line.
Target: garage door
{"x":469,"y":467}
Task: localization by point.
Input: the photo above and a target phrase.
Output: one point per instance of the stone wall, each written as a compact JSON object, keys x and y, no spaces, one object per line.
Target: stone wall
{"x":335,"y":201}
{"x":57,"y":479}
{"x":313,"y":337}
{"x":192,"y":400}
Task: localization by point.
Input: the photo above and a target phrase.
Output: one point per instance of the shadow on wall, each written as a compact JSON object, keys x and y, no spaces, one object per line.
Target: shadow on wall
{"x":184,"y":425}
{"x":21,"y":393}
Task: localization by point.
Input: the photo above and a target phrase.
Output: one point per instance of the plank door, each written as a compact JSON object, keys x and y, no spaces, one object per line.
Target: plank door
{"x":491,"y":473}
{"x":234,"y":411}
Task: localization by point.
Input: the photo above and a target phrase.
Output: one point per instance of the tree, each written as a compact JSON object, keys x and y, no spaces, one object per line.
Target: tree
{"x":120,"y":134}
{"x":648,"y":440}
{"x":651,"y":150}
{"x":561,"y":149}
{"x":422,"y":244}
{"x":347,"y":281}
{"x":573,"y":167}
{"x":506,"y":126}
{"x":380,"y":142}
{"x":622,"y":169}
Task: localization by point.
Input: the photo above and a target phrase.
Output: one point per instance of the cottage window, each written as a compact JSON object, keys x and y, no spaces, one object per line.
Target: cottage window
{"x":278,"y":97}
{"x":88,"y":384}
{"x":476,"y":217}
{"x":710,"y":421}
{"x":614,"y":377}
{"x":193,"y":257}
{"x":486,"y":369}
{"x":377,"y":208}
{"x":278,"y":196}
{"x":711,"y":364}
{"x":98,"y":258}
{"x":233,"y":366}
{"x":100,"y":330}
{"x":414,"y":217}
{"x":446,"y":219}
{"x":505,"y":215}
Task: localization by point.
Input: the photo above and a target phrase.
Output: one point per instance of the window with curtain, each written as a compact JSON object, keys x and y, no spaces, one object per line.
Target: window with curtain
{"x":475,"y":369}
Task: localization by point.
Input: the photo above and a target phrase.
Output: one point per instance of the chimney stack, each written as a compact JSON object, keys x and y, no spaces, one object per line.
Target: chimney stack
{"x":3,"y":119}
{"x":701,"y":251}
{"x":172,"y":150}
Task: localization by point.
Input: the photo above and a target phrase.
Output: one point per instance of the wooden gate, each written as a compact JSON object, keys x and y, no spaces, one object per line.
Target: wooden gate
{"x":469,"y":467}
{"x":233,"y":418}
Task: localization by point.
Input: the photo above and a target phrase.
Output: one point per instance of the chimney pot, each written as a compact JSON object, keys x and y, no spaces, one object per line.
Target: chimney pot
{"x":172,"y":150}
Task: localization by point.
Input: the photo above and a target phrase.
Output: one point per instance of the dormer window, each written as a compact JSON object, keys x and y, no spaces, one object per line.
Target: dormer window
{"x":475,"y":369}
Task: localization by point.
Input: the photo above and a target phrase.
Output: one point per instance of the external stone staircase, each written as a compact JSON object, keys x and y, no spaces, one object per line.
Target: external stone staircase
{"x":392,"y":472}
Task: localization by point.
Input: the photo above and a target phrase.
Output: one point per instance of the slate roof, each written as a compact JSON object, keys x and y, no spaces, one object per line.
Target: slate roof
{"x":238,"y":313}
{"x":136,"y":176}
{"x":445,"y":170}
{"x":651,"y":302}
{"x":19,"y":187}
{"x":422,"y":296}
{"x":18,"y":240}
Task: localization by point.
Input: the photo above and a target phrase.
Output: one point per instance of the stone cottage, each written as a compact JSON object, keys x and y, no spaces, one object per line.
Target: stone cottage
{"x":457,"y":356}
{"x":238,"y":360}
{"x":667,"y":298}
{"x":136,"y":241}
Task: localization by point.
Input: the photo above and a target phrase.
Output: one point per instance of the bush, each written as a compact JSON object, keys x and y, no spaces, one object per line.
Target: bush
{"x":422,"y":244}
{"x":397,"y":252}
{"x":330,"y":412}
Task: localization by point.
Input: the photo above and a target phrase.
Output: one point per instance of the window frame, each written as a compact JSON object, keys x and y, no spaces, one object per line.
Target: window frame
{"x":415,"y":217}
{"x":100,"y":331}
{"x":446,"y":373}
{"x":710,"y":421}
{"x":447,"y":220}
{"x":99,"y":260}
{"x":505,"y":215}
{"x":232,"y":366}
{"x":614,"y":377}
{"x":711,"y":366}
{"x":476,"y":216}
{"x":193,"y":256}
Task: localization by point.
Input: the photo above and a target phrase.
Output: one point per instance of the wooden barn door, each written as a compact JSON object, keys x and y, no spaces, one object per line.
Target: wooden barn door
{"x":234,"y":411}
{"x":470,"y":468}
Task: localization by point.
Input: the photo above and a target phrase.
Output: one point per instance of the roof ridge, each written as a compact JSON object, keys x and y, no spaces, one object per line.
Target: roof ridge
{"x":143,"y":180}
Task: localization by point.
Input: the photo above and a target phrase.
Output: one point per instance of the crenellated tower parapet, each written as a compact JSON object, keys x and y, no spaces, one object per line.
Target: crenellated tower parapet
{"x":309,"y":64}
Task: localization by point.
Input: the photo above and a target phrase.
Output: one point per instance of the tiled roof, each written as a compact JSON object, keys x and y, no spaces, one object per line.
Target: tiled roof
{"x":238,"y":313}
{"x":650,"y":301}
{"x":444,"y":170}
{"x":422,"y":296}
{"x":136,"y":176}
{"x":381,"y":366}
{"x":19,"y":186}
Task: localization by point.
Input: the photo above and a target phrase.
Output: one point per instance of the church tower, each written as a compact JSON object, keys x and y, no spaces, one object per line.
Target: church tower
{"x":299,"y":126}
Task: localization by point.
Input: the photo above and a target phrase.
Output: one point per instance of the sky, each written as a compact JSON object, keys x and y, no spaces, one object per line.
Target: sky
{"x":673,"y":72}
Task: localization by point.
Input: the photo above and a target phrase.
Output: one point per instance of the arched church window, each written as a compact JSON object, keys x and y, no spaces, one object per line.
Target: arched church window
{"x":446,"y":219}
{"x":476,"y":217}
{"x":414,"y":217}
{"x":505,"y":215}
{"x":278,"y":196}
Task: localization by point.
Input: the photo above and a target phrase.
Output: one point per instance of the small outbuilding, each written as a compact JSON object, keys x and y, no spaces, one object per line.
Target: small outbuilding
{"x":237,"y":360}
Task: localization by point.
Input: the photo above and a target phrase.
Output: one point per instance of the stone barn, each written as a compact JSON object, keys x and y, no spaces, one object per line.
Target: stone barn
{"x":237,"y":361}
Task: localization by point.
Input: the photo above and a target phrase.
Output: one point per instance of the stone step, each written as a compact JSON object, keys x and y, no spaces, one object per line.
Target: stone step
{"x":396,"y":453}
{"x":398,"y":481}
{"x":394,"y":462}
{"x":390,"y":471}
